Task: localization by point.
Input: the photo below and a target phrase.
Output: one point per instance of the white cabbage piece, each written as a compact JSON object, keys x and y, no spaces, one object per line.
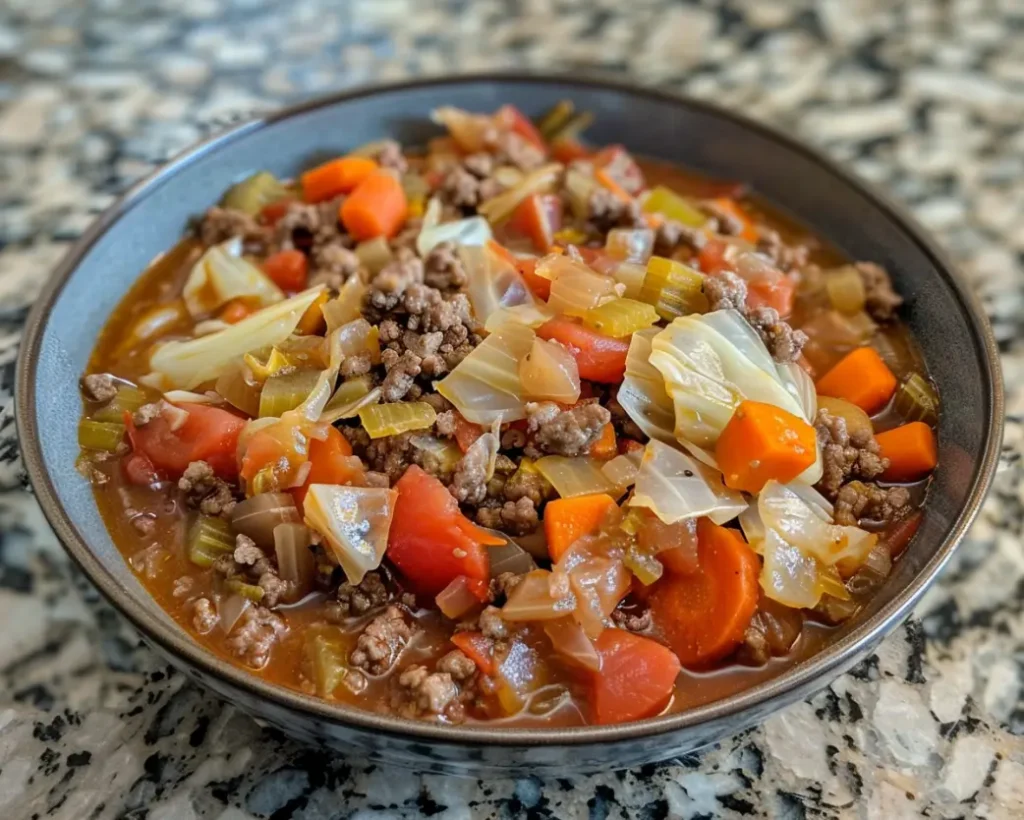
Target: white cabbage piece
{"x":493,"y":284}
{"x":472,"y":232}
{"x":354,"y":522}
{"x":221,"y":274}
{"x":642,"y":392}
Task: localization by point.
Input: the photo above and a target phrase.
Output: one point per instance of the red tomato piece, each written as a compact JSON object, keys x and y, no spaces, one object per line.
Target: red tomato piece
{"x":287,"y":269}
{"x":599,"y":358}
{"x":139,"y":470}
{"x":514,"y":119}
{"x":636,"y":677}
{"x":209,"y":434}
{"x":538,"y":217}
{"x":540,"y":286}
{"x":330,"y":462}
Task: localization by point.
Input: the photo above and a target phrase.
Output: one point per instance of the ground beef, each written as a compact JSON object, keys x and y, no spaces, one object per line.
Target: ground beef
{"x":204,"y":616}
{"x":144,"y":523}
{"x":374,"y":479}
{"x":622,"y":168}
{"x":726,"y":291}
{"x":456,"y":664}
{"x":514,"y":517}
{"x":564,"y":432}
{"x":424,"y":693}
{"x":860,"y":500}
{"x":443,"y":269}
{"x":255,"y":634}
{"x":606,"y":211}
{"x":356,"y":365}
{"x":183,"y":586}
{"x":470,"y":183}
{"x":205,"y":492}
{"x":503,"y":583}
{"x":147,"y":412}
{"x":491,"y":624}
{"x":358,"y":599}
{"x":389,"y":286}
{"x":527,"y":484}
{"x":881,"y":301}
{"x":784,"y":343}
{"x":845,"y":456}
{"x":252,"y":565}
{"x":631,"y":619}
{"x":469,"y":482}
{"x":389,"y":455}
{"x":381,"y":642}
{"x":99,"y":386}
{"x":401,"y":371}
{"x":671,"y":234}
{"x":722,"y":221}
{"x":310,"y":227}
{"x":390,"y":155}
{"x":511,"y":148}
{"x":221,"y":224}
{"x":332,"y":263}
{"x":755,"y":649}
{"x":784,"y":257}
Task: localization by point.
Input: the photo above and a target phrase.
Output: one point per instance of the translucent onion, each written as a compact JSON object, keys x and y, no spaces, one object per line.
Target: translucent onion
{"x":257,"y":517}
{"x":374,"y":254}
{"x":295,"y":560}
{"x":794,"y":578}
{"x":498,"y":208}
{"x":474,"y":231}
{"x":575,"y":476}
{"x":630,"y":244}
{"x":188,"y":364}
{"x":350,"y":397}
{"x":509,"y":558}
{"x":221,"y":274}
{"x":359,"y":336}
{"x":845,"y":288}
{"x":549,"y":373}
{"x":492,"y":283}
{"x":598,"y":583}
{"x":575,"y":288}
{"x":857,"y":421}
{"x":570,"y":641}
{"x":346,"y":306}
{"x":531,"y":600}
{"x":456,"y":600}
{"x":485,"y":386}
{"x":354,"y":522}
{"x":677,"y":487}
{"x":382,"y":420}
{"x":230,"y":611}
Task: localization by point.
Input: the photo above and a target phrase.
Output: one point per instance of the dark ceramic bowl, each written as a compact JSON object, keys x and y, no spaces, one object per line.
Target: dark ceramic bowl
{"x":940,"y":309}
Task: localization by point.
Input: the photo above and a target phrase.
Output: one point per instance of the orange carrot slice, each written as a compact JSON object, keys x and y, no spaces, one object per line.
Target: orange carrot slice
{"x":377,"y":207}
{"x":339,"y":176}
{"x":911,"y":451}
{"x":860,"y":377}
{"x":763,"y":442}
{"x":636,"y":677}
{"x":568,"y":519}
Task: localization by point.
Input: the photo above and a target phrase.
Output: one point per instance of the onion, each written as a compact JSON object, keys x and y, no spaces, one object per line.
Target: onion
{"x":857,"y":421}
{"x":236,"y":385}
{"x":295,"y":560}
{"x":257,"y":517}
{"x":456,"y":599}
{"x":342,"y":406}
{"x":571,"y":642}
{"x":374,"y":254}
{"x":221,"y":274}
{"x":599,"y":584}
{"x":359,"y":336}
{"x":676,"y":487}
{"x":549,"y":373}
{"x":492,"y":283}
{"x":231,"y":609}
{"x":187,"y":396}
{"x":575,"y":288}
{"x":531,"y":600}
{"x":630,"y":244}
{"x":537,"y":181}
{"x":575,"y":476}
{"x":354,"y":522}
{"x":509,"y":558}
{"x":675,"y":545}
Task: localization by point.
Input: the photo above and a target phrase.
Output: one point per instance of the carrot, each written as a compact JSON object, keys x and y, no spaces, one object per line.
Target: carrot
{"x":312,"y":320}
{"x":636,"y":677}
{"x":273,"y":211}
{"x":566,"y":149}
{"x":731,"y":207}
{"x":537,"y":217}
{"x":599,"y":358}
{"x":502,"y":252}
{"x":287,"y":269}
{"x":568,"y":519}
{"x":862,"y":378}
{"x":339,"y":176}
{"x":605,"y":447}
{"x":606,"y":180}
{"x":330,"y":462}
{"x":235,"y":311}
{"x":910,"y":450}
{"x":763,"y":442}
{"x":378,"y":207}
{"x":478,"y":649}
{"x":711,"y":258}
{"x":540,"y":286}
{"x":518,"y":122}
{"x":703,"y":616}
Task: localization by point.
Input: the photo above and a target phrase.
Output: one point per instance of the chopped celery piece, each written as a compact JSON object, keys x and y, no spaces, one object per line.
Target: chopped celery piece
{"x":631,"y":521}
{"x":327,"y":663}
{"x":555,"y":118}
{"x":374,"y":254}
{"x":250,"y":592}
{"x":845,"y":289}
{"x":673,"y":288}
{"x":417,"y":189}
{"x":286,"y":391}
{"x":646,"y":568}
{"x":916,"y":400}
{"x":621,"y":317}
{"x":399,"y":417}
{"x":100,"y":435}
{"x":670,"y":205}
{"x":238,"y":387}
{"x":128,"y":398}
{"x":252,"y":194}
{"x":208,"y":539}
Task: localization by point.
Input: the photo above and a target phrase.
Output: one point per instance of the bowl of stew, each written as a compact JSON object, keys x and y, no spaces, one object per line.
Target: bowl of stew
{"x":509,"y":423}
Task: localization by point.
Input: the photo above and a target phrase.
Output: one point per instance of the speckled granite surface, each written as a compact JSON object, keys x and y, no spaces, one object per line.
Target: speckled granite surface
{"x":925,"y":97}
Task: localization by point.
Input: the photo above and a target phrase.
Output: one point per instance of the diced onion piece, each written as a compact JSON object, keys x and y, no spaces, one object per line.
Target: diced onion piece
{"x":398,"y":417}
{"x":253,"y":193}
{"x":575,"y":288}
{"x":673,"y":288}
{"x":575,"y":476}
{"x":509,"y":558}
{"x":598,"y":583}
{"x":916,"y":400}
{"x":676,"y":487}
{"x":350,"y":397}
{"x":492,"y":283}
{"x":845,"y":288}
{"x":630,"y":244}
{"x":286,"y":391}
{"x":354,"y":522}
{"x":295,"y":560}
{"x":531,"y":600}
{"x":374,"y":254}
{"x":857,"y":421}
{"x":549,"y":373}
{"x":541,"y":180}
{"x":631,"y":276}
{"x":231,"y":610}
{"x":257,"y":517}
{"x":474,"y":231}
{"x":188,"y":397}
{"x":359,"y":336}
{"x":346,"y":306}
{"x":620,"y":317}
{"x":642,"y":393}
{"x":570,"y":641}
{"x":456,"y":600}
{"x":622,"y":470}
{"x":661,"y":200}
{"x":187,"y":364}
{"x":221,"y":274}
{"x":443,"y":456}
{"x":485,"y":386}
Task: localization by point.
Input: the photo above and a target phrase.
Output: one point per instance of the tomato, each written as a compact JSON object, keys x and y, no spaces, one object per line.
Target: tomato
{"x":431,"y":542}
{"x":271,"y":213}
{"x":636,"y":677}
{"x":139,"y":470}
{"x":514,"y":119}
{"x":540,"y":286}
{"x":209,"y":434}
{"x":287,"y":269}
{"x":712,"y":257}
{"x":538,"y":217}
{"x":466,"y":432}
{"x":599,"y":358}
{"x":774,"y":293}
{"x":330,"y":462}
{"x":566,"y":150}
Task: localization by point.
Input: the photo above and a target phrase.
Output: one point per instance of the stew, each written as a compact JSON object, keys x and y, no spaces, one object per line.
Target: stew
{"x":508,"y":428}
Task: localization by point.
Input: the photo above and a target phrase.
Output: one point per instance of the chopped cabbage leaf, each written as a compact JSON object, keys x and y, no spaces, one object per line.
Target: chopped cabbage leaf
{"x":675,"y":487}
{"x":354,"y":522}
{"x":642,"y":393}
{"x":492,"y":283}
{"x":498,"y":208}
{"x":221,"y":274}
{"x":187,"y":364}
{"x":576,"y":476}
{"x":472,"y":232}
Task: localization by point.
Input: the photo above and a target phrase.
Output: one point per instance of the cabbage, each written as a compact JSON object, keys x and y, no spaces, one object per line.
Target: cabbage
{"x":492,"y":283}
{"x":184,"y":365}
{"x":354,"y":522}
{"x":498,"y":208}
{"x":221,"y":274}
{"x":642,"y":392}
{"x":474,"y":231}
{"x":710,"y":364}
{"x":533,"y":314}
{"x":576,"y":476}
{"x":677,"y":487}
{"x":549,"y":373}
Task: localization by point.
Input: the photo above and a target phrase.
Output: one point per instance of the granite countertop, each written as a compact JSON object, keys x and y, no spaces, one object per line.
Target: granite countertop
{"x":926,"y":98}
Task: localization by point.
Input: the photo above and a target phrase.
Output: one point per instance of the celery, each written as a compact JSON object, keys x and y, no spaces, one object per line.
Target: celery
{"x":916,"y":400}
{"x":100,"y":435}
{"x":417,"y":189}
{"x":646,"y":568}
{"x":554,"y":119}
{"x":621,"y":317}
{"x":845,"y":289}
{"x":673,"y":288}
{"x":326,"y":657}
{"x":128,"y":398}
{"x":252,"y":194}
{"x":208,"y":539}
{"x":400,"y":417}
{"x":286,"y":391}
{"x":374,"y":254}
{"x":670,"y":205}
{"x":250,"y":592}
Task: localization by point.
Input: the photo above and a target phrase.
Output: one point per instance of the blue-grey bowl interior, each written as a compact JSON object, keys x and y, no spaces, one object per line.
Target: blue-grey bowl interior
{"x":951,"y":330}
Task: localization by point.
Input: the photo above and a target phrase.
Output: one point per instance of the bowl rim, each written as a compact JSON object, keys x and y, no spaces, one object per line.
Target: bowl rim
{"x":795,"y":681}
